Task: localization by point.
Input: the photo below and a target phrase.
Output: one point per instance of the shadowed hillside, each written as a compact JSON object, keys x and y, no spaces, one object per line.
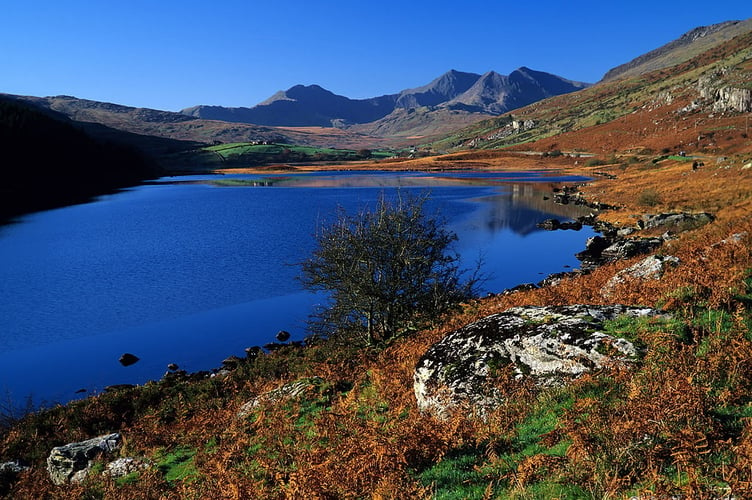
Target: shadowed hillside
{"x":49,"y":162}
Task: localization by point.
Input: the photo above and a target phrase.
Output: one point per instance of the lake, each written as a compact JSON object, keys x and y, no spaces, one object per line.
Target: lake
{"x":190,"y":270}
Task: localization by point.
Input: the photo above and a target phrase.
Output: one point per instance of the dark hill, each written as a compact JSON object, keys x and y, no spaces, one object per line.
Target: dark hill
{"x":50,"y":162}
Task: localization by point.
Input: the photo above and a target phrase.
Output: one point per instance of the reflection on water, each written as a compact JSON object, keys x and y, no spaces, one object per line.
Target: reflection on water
{"x":186,"y":271}
{"x":387,"y":179}
{"x":523,"y":207}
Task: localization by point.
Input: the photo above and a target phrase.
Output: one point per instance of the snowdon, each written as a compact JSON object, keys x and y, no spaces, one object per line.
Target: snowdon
{"x":490,"y":94}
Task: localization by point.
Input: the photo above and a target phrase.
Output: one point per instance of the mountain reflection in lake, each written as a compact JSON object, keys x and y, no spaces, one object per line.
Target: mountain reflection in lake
{"x":190,"y":270}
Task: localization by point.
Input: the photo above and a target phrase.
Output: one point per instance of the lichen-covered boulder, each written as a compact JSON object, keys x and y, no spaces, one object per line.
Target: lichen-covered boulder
{"x":649,"y":268}
{"x":550,"y":344}
{"x":675,"y":220}
{"x":72,"y":462}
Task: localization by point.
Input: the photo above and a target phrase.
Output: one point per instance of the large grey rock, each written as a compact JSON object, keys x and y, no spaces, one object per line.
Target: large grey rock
{"x":72,"y":462}
{"x":600,"y":250}
{"x":624,"y":249}
{"x":550,"y":344}
{"x":649,"y":268}
{"x":675,"y":220}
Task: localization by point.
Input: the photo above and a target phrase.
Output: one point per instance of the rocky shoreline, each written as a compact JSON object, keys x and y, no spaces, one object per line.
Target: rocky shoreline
{"x":612,"y":243}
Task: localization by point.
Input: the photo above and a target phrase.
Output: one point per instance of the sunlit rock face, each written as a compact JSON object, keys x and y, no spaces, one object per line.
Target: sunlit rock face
{"x":549,"y":344}
{"x":72,"y":462}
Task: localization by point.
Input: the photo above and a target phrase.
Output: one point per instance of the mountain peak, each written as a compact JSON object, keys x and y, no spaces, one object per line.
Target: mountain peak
{"x":494,"y":93}
{"x":439,"y":90}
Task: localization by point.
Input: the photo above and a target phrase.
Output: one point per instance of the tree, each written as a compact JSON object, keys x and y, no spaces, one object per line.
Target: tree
{"x":387,"y":271}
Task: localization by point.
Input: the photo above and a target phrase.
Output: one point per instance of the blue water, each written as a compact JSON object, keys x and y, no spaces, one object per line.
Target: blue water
{"x":184,"y":271}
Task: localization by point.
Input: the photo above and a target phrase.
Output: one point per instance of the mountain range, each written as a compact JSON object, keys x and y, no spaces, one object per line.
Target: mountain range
{"x":454,"y":107}
{"x":489,"y":94}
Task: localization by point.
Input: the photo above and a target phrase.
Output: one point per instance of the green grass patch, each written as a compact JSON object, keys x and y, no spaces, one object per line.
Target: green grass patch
{"x":468,"y":473}
{"x":457,"y":476}
{"x":252,"y":154}
{"x":178,"y":465}
{"x":632,"y":329}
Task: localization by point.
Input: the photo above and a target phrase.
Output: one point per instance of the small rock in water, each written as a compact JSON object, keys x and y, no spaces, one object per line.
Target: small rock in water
{"x":283,"y":336}
{"x":128,"y":359}
{"x":173,"y":367}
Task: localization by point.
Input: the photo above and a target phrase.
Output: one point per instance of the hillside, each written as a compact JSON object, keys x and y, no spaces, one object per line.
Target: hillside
{"x":698,"y":104}
{"x":310,"y":116}
{"x":150,"y":124}
{"x":689,"y":45}
{"x":48,"y":161}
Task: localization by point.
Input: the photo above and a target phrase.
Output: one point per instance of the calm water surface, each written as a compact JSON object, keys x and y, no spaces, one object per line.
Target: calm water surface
{"x":187,"y":271}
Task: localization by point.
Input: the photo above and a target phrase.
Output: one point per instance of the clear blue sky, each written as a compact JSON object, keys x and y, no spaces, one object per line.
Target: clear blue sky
{"x":168,"y":54}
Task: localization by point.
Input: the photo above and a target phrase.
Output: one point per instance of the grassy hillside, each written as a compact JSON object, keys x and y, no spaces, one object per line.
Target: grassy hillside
{"x":250,"y":155}
{"x":678,"y":51}
{"x":650,"y":111}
